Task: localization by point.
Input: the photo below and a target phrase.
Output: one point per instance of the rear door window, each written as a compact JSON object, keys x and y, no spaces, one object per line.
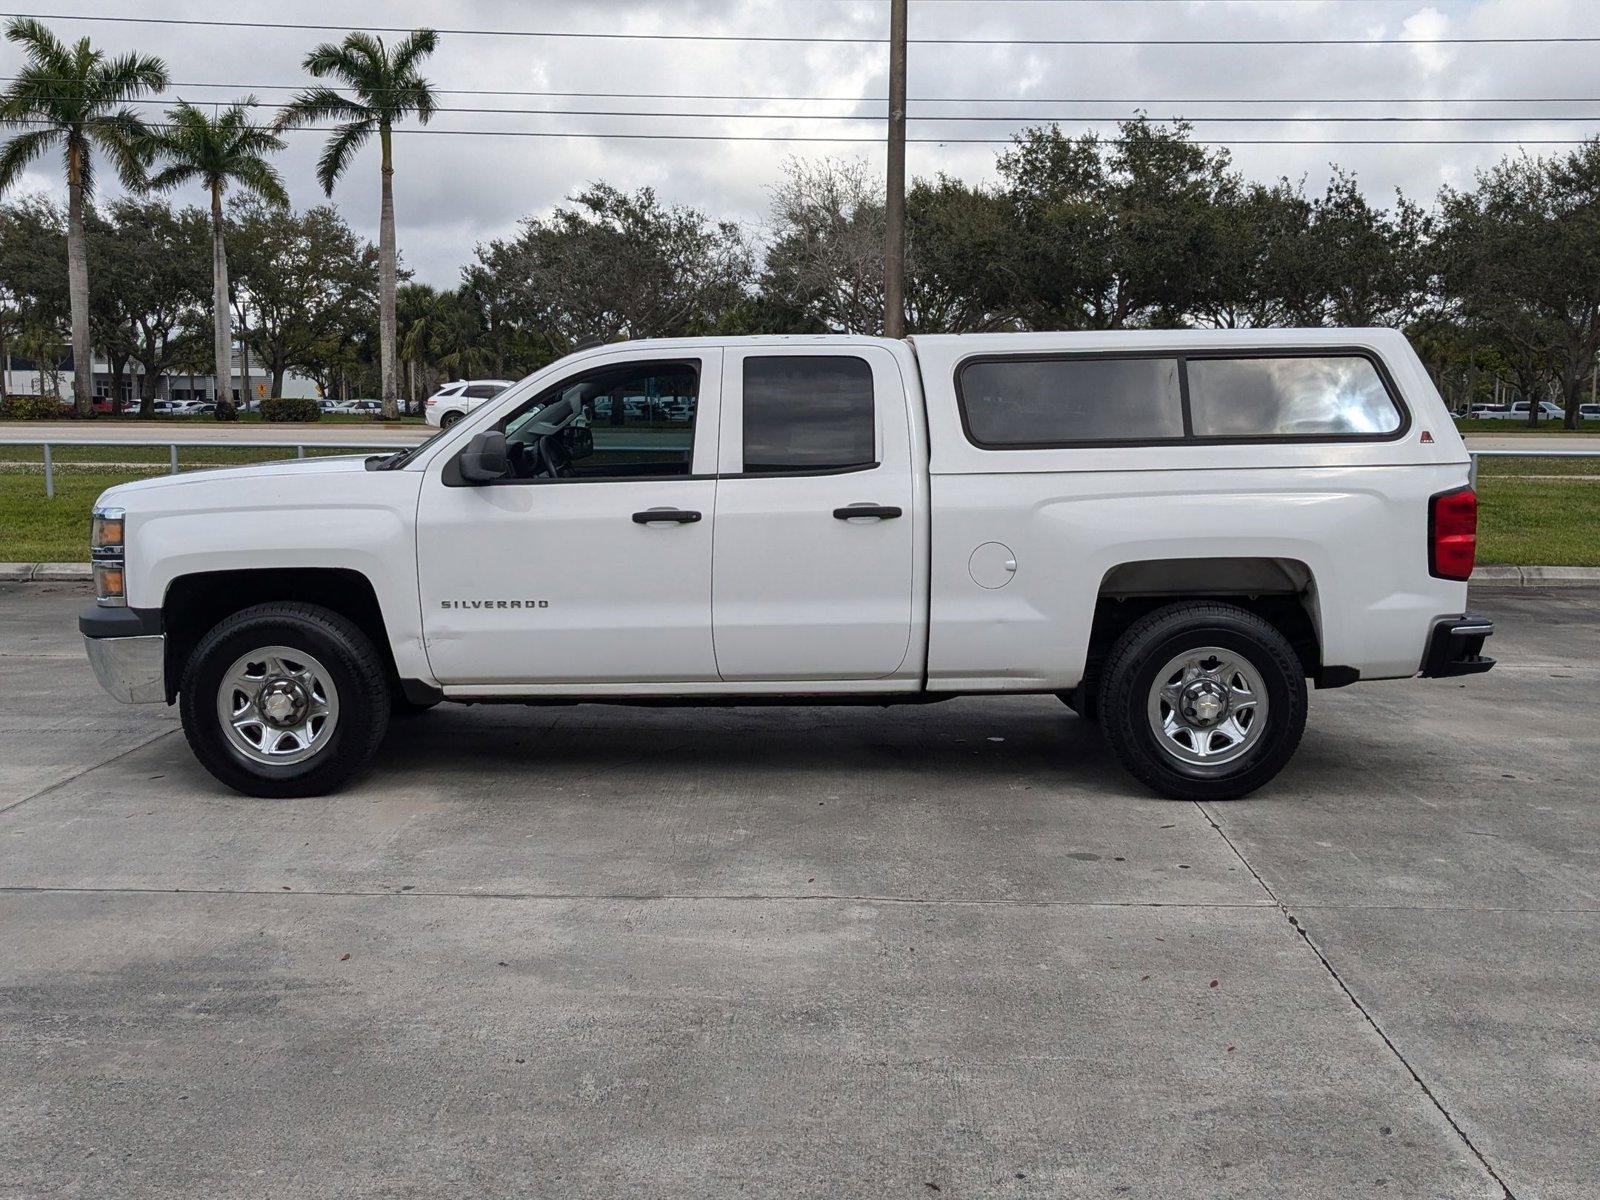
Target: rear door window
{"x":808,"y":412}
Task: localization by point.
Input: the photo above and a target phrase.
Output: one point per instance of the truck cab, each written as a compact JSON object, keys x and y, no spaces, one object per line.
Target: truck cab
{"x":1172,"y":531}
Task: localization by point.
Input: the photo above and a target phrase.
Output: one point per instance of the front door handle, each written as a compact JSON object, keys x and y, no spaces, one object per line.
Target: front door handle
{"x":677,"y":516}
{"x":884,"y":512}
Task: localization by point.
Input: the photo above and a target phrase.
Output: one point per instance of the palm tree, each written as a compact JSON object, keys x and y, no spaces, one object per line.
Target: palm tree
{"x":75,"y":97}
{"x":387,"y":89}
{"x":216,"y":151}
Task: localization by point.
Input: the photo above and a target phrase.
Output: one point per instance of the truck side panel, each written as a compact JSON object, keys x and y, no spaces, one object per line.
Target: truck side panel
{"x":1024,"y":539}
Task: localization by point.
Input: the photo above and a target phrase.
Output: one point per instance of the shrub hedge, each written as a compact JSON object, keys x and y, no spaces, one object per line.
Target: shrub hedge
{"x":35,"y":408}
{"x":290,"y":408}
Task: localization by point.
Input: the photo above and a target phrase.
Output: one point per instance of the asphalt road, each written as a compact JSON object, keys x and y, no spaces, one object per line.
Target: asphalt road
{"x":922,"y":952}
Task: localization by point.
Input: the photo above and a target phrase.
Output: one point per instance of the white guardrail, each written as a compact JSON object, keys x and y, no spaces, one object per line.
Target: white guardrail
{"x":173,"y":446}
{"x":299,"y":448}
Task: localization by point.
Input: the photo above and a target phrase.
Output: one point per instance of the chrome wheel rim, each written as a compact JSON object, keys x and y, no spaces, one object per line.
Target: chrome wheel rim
{"x":1207,"y":707}
{"x":277,"y":705}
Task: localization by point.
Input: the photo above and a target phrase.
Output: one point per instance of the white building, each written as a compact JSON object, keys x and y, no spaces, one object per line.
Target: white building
{"x":26,"y":377}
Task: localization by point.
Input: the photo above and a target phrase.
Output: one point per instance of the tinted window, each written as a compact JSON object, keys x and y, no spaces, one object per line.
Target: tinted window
{"x":636,"y":419}
{"x":482,"y":391}
{"x":1302,"y":396}
{"x":1020,"y":401}
{"x":808,"y":412}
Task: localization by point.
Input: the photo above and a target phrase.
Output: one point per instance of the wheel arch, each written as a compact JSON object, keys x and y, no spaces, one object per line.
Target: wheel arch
{"x":195,"y":603}
{"x":1282,"y":591}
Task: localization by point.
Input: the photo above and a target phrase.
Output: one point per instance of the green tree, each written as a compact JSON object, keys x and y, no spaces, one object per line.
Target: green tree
{"x":308,"y":281}
{"x":388,"y":88}
{"x":75,"y":98}
{"x":215,"y":151}
{"x":1115,"y":232}
{"x":161,"y":257}
{"x":610,"y":265}
{"x":33,"y":276}
{"x":1518,"y":257}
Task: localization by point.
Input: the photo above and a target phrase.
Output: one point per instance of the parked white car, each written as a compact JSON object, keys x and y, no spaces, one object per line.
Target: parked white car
{"x":1518,"y":411}
{"x":1173,"y":531}
{"x":455,"y":400}
{"x":370,"y":408}
{"x":1589,"y":412}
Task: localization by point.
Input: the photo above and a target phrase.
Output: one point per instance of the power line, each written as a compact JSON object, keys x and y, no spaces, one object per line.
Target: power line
{"x":1135,"y":102}
{"x":1009,"y":118}
{"x":793,"y":97}
{"x":618,"y":135}
{"x":1012,"y":118}
{"x":611,"y":35}
{"x":944,"y":141}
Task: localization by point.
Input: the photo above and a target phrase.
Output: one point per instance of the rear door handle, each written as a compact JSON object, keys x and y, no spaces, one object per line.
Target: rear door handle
{"x":883,"y":511}
{"x":677,"y":516}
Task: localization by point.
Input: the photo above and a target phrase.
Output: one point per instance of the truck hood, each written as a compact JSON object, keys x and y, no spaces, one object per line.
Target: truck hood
{"x":332,"y":464}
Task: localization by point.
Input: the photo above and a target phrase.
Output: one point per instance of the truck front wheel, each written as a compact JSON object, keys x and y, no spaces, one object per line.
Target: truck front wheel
{"x":284,"y":699}
{"x":1203,"y":701}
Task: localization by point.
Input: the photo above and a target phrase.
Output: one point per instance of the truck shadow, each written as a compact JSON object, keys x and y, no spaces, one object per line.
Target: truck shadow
{"x":992,"y":740}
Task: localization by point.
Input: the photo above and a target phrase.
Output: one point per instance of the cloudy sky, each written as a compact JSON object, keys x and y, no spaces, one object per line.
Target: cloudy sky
{"x":453,"y":191}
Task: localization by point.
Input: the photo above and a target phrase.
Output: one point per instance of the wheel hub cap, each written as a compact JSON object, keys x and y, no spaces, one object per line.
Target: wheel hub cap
{"x":1204,"y":702}
{"x":1207,"y":708}
{"x":283,"y":702}
{"x":277,"y":706}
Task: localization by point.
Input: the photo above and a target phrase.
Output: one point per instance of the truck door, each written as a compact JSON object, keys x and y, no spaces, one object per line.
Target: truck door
{"x":813,"y":561}
{"x":559,"y":573}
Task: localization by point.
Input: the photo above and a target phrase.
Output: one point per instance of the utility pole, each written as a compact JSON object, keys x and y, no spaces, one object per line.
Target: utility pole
{"x":894,"y":225}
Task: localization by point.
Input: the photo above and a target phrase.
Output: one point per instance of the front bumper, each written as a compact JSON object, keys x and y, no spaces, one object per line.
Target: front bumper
{"x":130,"y":668}
{"x":128,"y":651}
{"x":1456,"y":647}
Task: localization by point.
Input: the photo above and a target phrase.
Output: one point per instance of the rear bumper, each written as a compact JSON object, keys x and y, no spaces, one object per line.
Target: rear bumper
{"x":1456,"y":647}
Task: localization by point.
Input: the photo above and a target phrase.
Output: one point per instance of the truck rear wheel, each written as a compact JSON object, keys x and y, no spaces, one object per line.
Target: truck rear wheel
{"x":284,"y":699}
{"x":1203,"y":701}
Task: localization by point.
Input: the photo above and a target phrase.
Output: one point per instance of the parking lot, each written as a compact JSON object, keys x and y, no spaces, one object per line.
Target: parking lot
{"x":927,"y":951}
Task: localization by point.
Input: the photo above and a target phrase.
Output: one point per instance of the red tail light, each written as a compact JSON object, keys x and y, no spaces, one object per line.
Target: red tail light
{"x":1452,"y":533}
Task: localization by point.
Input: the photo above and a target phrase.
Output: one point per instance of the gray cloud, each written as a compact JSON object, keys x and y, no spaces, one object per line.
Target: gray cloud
{"x":452,"y":192}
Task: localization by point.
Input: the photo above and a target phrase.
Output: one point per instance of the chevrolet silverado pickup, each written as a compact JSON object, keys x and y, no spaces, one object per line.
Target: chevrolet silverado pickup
{"x":1172,"y":531}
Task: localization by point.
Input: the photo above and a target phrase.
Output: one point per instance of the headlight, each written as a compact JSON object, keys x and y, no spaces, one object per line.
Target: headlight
{"x":107,"y":552}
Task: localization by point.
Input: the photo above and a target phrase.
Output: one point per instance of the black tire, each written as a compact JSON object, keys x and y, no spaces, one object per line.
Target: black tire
{"x":1129,"y":678}
{"x":449,"y":419}
{"x":356,"y":671}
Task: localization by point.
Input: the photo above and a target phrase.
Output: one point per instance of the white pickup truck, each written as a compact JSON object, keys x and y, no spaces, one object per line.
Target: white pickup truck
{"x":1171,"y":531}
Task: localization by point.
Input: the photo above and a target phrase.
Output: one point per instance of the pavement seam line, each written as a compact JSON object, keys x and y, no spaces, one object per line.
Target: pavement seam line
{"x":634,"y":897}
{"x":1344,"y":987}
{"x":76,"y":775}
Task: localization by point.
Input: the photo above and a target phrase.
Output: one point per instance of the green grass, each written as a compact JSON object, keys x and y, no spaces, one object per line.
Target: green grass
{"x":1539,"y":522}
{"x":189,"y":457}
{"x":1538,"y":466}
{"x":1549,"y":522}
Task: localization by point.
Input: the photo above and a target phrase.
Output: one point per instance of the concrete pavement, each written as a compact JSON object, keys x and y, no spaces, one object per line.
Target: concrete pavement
{"x":942,"y":951}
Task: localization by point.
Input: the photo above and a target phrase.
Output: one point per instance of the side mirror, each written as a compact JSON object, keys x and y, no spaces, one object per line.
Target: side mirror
{"x":484,"y":460}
